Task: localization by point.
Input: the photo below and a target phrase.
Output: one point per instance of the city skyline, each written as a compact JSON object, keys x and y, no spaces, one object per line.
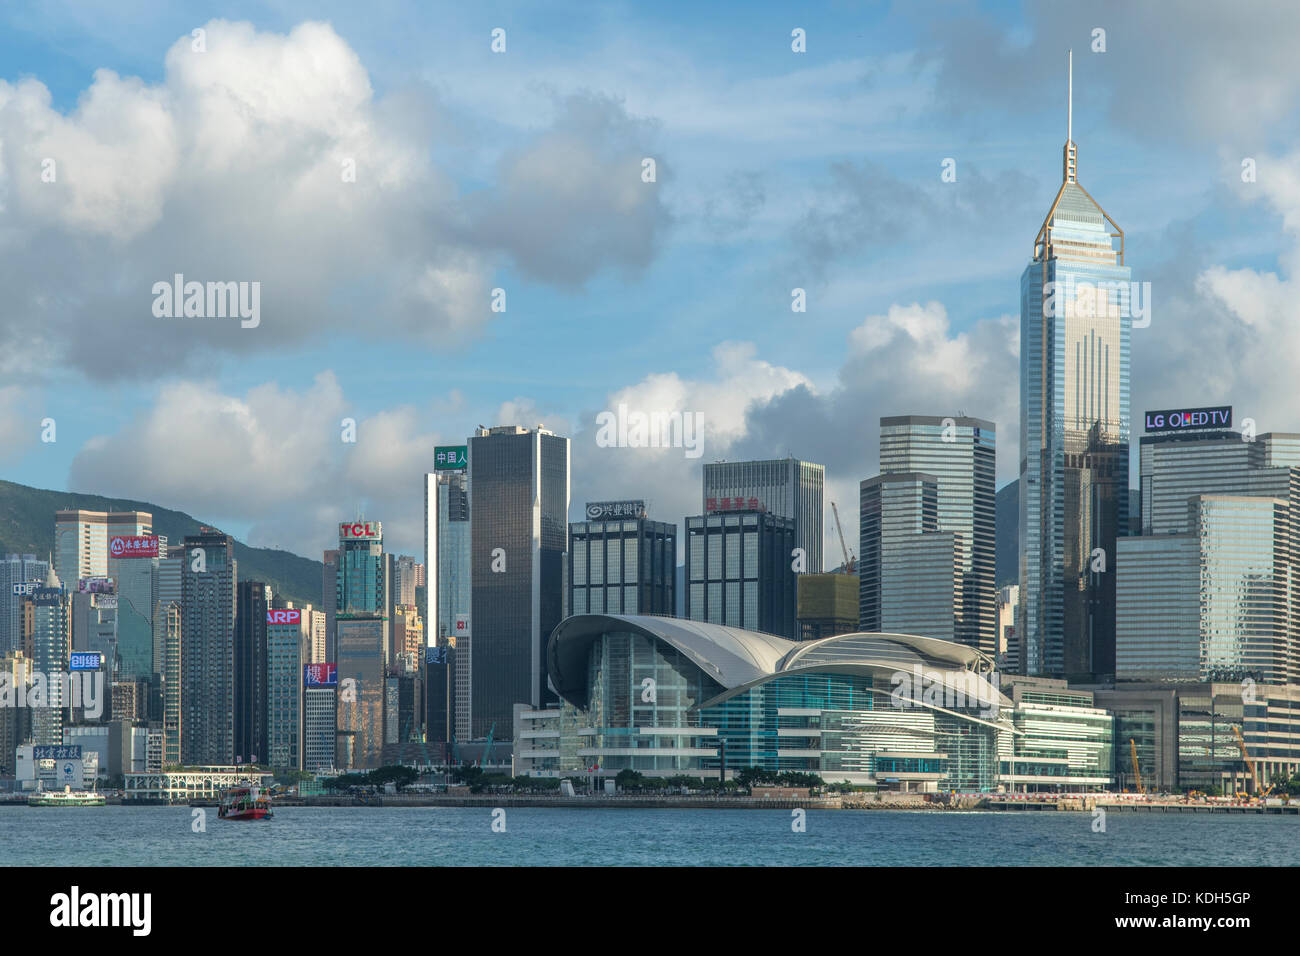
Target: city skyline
{"x":882,"y":332}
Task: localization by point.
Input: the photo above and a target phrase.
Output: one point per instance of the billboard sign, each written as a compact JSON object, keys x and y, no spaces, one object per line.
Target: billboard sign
{"x":133,"y":546}
{"x":106,"y":601}
{"x":85,"y":661}
{"x":462,"y":626}
{"x":320,"y":675}
{"x":96,"y":586}
{"x":435,"y":655}
{"x":596,"y":510}
{"x":26,"y":588}
{"x":354,"y":530}
{"x":47,"y":597}
{"x":284,"y":616}
{"x":55,"y":752}
{"x":450,"y":457}
{"x":1185,"y":419}
{"x":714,"y":505}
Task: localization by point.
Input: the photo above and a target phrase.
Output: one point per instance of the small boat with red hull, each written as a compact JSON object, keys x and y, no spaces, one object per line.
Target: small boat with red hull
{"x":245,"y":802}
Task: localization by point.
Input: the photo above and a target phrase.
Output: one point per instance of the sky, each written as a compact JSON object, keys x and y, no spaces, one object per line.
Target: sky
{"x":379,"y":170}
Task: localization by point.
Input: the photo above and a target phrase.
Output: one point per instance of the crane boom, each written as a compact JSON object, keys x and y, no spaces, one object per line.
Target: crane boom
{"x":848,"y":562}
{"x":1250,"y":764}
{"x":1133,"y":755}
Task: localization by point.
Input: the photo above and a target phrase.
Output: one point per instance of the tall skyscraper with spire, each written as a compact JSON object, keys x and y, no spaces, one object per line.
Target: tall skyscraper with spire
{"x":1075,"y":330}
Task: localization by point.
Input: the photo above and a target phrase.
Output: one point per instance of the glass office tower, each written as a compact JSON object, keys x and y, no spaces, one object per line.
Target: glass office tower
{"x":785,"y":486}
{"x":738,"y":571}
{"x":621,"y":562}
{"x":519,"y":513}
{"x":960,"y":453}
{"x":908,"y":582}
{"x":207,"y":658}
{"x":1075,"y":328}
{"x":448,"y":593}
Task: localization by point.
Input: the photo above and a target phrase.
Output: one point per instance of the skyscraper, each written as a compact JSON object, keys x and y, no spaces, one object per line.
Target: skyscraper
{"x":519,"y":504}
{"x":738,"y":570}
{"x":51,"y":645}
{"x":1206,"y":593}
{"x":960,"y":453}
{"x":361,"y":641}
{"x":1075,"y":329}
{"x":448,"y":596}
{"x":81,"y":540}
{"x":621,"y":562}
{"x":908,"y":580}
{"x":786,"y":487}
{"x":16,"y":569}
{"x":253,"y":598}
{"x":286,"y":639}
{"x":208,"y":580}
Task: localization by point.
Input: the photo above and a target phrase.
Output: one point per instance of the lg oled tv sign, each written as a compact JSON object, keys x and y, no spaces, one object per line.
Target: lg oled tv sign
{"x":134,"y":546}
{"x":284,"y":616}
{"x":354,"y":530}
{"x":1184,"y":419}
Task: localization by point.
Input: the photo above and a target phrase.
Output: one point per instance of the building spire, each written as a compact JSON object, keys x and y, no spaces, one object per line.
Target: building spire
{"x":1068,"y":170}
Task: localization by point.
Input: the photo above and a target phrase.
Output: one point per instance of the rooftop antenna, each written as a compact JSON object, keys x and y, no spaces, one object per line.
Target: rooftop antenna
{"x":1069,"y":171}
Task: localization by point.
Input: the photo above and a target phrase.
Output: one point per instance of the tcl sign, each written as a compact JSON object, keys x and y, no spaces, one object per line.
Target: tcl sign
{"x":284,"y":617}
{"x":361,"y":529}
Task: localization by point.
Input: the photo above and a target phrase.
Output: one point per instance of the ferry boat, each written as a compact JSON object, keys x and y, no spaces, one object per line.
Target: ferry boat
{"x":66,"y":798}
{"x":245,"y":802}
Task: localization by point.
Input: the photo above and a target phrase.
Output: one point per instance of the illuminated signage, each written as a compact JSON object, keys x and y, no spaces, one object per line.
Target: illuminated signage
{"x":283,"y":616}
{"x":435,"y":655}
{"x":596,"y":510}
{"x":106,"y":601}
{"x":47,"y":597}
{"x":55,"y":752}
{"x":133,"y":546}
{"x":95,"y":586}
{"x":27,"y":588}
{"x":714,"y":505}
{"x":85,"y":661}
{"x":320,"y":675}
{"x":1182,"y":419}
{"x":352,"y":530}
{"x":450,"y":457}
{"x":462,"y":625}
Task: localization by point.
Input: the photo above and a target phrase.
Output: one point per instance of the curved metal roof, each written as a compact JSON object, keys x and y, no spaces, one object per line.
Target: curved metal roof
{"x":729,"y":655}
{"x":736,"y":658}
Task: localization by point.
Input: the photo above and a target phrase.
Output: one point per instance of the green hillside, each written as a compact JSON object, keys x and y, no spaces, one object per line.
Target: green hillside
{"x":27,"y":527}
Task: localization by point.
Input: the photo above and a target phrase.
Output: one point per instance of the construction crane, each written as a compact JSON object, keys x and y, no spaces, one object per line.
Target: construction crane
{"x":487,"y":750}
{"x":1250,"y":764}
{"x":1133,"y":756}
{"x":849,"y":560}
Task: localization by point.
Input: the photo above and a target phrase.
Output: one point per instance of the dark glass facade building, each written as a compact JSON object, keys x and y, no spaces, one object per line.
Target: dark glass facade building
{"x":252,"y":600}
{"x":519,"y":503}
{"x":621,"y":562}
{"x":738,"y":571}
{"x":207,"y":658}
{"x":784,"y":486}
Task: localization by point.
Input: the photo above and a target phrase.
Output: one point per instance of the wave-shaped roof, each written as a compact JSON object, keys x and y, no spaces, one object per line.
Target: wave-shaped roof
{"x":735,"y":657}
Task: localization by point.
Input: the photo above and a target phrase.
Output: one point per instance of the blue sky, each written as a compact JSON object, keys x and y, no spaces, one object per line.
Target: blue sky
{"x":521,"y":170}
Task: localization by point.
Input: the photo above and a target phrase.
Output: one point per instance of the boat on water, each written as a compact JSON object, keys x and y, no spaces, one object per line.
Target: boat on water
{"x":67,"y":797}
{"x":245,"y":802}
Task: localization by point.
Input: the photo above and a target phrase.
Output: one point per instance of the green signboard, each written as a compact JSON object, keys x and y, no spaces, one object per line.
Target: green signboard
{"x":450,"y":457}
